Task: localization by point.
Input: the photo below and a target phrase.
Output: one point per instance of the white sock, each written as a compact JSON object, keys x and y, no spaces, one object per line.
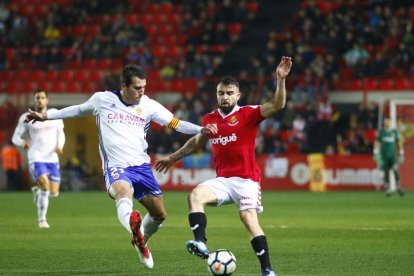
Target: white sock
{"x":124,"y":208}
{"x":42,"y":204}
{"x":150,"y":226}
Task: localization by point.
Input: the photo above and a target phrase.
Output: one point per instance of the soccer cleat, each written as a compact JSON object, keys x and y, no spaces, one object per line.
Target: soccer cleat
{"x":43,"y":224}
{"x":268,"y":273}
{"x":198,"y":248}
{"x":138,"y":241}
{"x":401,"y":192}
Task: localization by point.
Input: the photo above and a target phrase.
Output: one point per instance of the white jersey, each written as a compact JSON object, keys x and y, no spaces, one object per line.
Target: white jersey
{"x":43,"y":139}
{"x":122,"y":128}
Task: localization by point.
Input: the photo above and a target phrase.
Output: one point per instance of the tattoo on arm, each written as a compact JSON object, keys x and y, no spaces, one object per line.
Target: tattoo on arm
{"x":189,"y":147}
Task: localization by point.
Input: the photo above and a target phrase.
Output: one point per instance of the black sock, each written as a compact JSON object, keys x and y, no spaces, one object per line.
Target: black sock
{"x":259,"y":245}
{"x":198,"y":224}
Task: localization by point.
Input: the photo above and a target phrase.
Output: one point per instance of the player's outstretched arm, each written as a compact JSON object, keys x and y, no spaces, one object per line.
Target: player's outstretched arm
{"x":34,"y":116}
{"x":193,"y":144}
{"x":86,"y":108}
{"x":279,"y":98}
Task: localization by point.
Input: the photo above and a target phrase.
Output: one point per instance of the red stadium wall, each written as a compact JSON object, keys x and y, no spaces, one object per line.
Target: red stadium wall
{"x":356,"y":172}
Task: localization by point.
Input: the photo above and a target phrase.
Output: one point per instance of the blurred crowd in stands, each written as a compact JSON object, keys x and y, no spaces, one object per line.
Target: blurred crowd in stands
{"x":330,"y":42}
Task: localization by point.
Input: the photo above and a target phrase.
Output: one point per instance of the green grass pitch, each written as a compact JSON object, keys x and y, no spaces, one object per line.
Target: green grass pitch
{"x":333,"y":233}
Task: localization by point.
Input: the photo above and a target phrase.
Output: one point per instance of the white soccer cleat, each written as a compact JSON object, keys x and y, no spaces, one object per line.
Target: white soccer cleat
{"x":145,"y":256}
{"x":197,"y":248}
{"x":43,"y":224}
{"x":138,"y":240}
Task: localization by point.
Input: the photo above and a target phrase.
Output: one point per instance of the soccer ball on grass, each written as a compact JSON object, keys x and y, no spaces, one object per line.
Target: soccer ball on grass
{"x":221,"y":262}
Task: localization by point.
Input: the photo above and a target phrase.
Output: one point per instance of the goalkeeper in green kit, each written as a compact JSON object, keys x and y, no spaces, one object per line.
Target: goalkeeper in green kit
{"x":386,"y":147}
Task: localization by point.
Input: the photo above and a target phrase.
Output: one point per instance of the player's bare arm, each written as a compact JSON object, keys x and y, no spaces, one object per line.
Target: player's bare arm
{"x":193,"y":144}
{"x":279,"y":98}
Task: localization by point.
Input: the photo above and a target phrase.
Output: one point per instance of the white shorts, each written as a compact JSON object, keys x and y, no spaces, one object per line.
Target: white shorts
{"x":243,"y":192}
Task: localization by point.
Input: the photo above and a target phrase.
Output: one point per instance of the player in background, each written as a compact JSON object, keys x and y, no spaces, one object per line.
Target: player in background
{"x":123,"y":118}
{"x":44,"y":142}
{"x":386,"y":147}
{"x":238,"y":175}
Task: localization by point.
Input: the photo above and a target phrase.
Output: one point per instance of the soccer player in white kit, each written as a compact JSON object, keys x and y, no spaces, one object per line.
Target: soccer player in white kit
{"x":123,"y":118}
{"x":238,"y":175}
{"x":43,"y":141}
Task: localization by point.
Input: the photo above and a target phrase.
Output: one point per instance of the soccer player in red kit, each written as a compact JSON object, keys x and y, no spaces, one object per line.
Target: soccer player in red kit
{"x":238,"y":175}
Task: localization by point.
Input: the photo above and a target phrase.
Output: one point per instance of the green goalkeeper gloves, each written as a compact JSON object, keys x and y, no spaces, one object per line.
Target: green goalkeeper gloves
{"x":378,"y":160}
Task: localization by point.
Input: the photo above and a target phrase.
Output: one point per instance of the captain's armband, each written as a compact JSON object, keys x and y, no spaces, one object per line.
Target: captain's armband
{"x":173,"y":123}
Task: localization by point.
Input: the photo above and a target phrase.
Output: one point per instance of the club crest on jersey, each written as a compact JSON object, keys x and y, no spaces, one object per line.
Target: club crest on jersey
{"x":138,"y":110}
{"x":233,"y":120}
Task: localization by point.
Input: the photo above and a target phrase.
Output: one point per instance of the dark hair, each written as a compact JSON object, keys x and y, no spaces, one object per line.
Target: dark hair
{"x":132,"y":70}
{"x":228,"y":80}
{"x":41,"y":91}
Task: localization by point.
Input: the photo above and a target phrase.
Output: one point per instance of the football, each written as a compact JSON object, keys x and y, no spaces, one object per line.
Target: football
{"x":221,"y":262}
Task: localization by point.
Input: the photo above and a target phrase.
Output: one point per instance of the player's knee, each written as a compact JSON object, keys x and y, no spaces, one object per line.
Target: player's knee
{"x":247,"y":218}
{"x":195,"y":197}
{"x":56,"y":194}
{"x":160,"y":217}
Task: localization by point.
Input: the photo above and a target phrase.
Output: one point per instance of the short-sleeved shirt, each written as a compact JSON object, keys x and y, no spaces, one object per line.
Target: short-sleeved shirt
{"x":233,"y":146}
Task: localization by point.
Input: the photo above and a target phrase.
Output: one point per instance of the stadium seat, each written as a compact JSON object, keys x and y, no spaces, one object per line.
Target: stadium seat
{"x":57,"y":86}
{"x":152,"y":8}
{"x":401,"y":84}
{"x":95,"y":75}
{"x":72,"y":87}
{"x":166,"y":8}
{"x":66,"y":75}
{"x":177,"y":86}
{"x":43,"y":85}
{"x":386,"y":84}
{"x":51,"y":75}
{"x":14,"y":87}
{"x":105,"y":63}
{"x":93,"y":30}
{"x":173,"y":19}
{"x":158,"y":52}
{"x":340,"y":84}
{"x":131,"y":18}
{"x":252,"y":6}
{"x":234,"y":29}
{"x":87,"y":87}
{"x":174,"y":52}
{"x":146,"y":19}
{"x":89,"y":64}
{"x":218,"y":48}
{"x":36,"y":75}
{"x":22,"y":75}
{"x":370,"y":84}
{"x":159,"y":19}
{"x":7,"y":75}
{"x":81,"y":75}
{"x":354,"y":85}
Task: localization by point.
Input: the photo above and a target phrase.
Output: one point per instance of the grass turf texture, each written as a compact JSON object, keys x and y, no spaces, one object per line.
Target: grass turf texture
{"x":334,"y":233}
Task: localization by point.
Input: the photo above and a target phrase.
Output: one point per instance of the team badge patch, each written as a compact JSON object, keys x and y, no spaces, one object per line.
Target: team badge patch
{"x":233,"y":120}
{"x":138,"y":110}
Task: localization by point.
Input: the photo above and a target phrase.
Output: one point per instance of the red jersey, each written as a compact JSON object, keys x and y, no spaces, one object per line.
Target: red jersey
{"x":234,"y":143}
